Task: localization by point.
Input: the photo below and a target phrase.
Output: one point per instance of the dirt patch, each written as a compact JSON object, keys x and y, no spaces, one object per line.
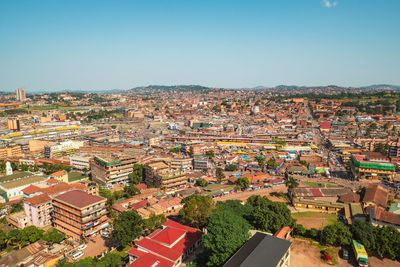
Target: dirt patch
{"x":304,"y":254}
{"x":316,"y":220}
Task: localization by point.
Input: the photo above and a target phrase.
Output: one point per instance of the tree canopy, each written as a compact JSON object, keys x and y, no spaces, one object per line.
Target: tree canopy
{"x":196,"y":210}
{"x":226,"y":232}
{"x":127,"y":227}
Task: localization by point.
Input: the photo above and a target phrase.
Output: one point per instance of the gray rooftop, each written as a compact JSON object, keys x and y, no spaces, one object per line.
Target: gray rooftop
{"x":260,"y":250}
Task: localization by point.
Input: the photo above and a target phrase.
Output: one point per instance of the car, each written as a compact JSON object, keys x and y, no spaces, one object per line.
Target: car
{"x":62,"y":259}
{"x":78,"y":255}
{"x":105,"y":234}
{"x":82,"y":247}
{"x":72,"y":253}
{"x":345,"y":254}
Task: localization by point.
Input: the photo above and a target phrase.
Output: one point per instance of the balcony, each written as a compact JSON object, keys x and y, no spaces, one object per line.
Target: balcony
{"x":94,"y":216}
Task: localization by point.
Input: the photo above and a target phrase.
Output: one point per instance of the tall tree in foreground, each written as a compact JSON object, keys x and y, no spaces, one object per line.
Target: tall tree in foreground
{"x":127,"y":227}
{"x":196,"y":210}
{"x":226,"y":233}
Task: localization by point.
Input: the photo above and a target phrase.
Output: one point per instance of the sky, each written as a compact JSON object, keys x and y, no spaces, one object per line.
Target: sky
{"x":99,"y":45}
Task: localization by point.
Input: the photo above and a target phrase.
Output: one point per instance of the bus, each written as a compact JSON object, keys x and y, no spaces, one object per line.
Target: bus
{"x":360,"y":253}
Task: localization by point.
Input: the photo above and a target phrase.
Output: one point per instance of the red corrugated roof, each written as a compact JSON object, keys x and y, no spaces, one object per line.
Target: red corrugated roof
{"x":159,"y":242}
{"x":316,"y":192}
{"x":30,"y":189}
{"x":325,"y":125}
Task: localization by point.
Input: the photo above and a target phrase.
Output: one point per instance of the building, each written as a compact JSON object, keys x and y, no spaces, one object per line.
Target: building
{"x":159,"y":174}
{"x":63,"y":148}
{"x":262,"y":250}
{"x":364,"y":167}
{"x":167,"y":246}
{"x":112,"y":168}
{"x":79,"y":214}
{"x":18,"y":219}
{"x":375,"y":194}
{"x":10,"y":152}
{"x":11,"y":186}
{"x":200,"y":163}
{"x":38,"y":210}
{"x":14,"y":125}
{"x":80,"y":161}
{"x":20,"y":94}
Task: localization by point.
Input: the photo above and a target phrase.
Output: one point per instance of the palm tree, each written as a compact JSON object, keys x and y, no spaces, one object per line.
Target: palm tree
{"x":291,"y":183}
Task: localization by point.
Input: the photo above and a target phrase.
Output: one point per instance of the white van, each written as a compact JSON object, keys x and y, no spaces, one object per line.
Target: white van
{"x":77,"y":255}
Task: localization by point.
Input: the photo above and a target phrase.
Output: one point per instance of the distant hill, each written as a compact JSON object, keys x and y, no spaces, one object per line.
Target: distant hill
{"x":168,"y":88}
{"x":382,"y":87}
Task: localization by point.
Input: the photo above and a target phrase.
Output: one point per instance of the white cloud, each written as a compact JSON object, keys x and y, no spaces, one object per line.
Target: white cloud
{"x":329,"y":3}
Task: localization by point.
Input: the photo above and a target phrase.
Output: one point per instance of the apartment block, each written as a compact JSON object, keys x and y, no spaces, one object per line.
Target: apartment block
{"x":79,"y":214}
{"x":38,"y":210}
{"x":9,"y":152}
{"x":112,"y":168}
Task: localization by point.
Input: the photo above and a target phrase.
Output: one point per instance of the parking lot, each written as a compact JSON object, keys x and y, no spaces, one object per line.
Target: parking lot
{"x":95,"y":246}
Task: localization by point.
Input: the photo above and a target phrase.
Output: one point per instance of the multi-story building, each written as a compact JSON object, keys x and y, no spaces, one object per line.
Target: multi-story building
{"x":112,"y":169}
{"x":13,"y":125}
{"x":63,"y":148}
{"x":10,"y":152}
{"x":364,"y":167}
{"x":200,"y":163}
{"x":79,"y":214}
{"x":80,"y":161}
{"x":38,"y":210}
{"x":182,"y":164}
{"x":20,"y":94}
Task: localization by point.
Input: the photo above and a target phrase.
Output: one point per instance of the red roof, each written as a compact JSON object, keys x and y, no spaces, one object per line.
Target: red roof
{"x":168,"y":235}
{"x":316,"y":192}
{"x":42,"y":198}
{"x":138,"y":205}
{"x":170,"y":242}
{"x":52,"y":181}
{"x":59,"y":173}
{"x":140,"y":186}
{"x":148,"y":259}
{"x":325,"y":125}
{"x":78,"y":198}
{"x":30,"y":189}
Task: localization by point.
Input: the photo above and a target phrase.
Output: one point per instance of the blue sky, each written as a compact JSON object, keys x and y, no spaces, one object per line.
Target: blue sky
{"x":88,"y":45}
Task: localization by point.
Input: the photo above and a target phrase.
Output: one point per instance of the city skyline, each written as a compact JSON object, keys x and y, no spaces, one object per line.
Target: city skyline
{"x":82,"y":46}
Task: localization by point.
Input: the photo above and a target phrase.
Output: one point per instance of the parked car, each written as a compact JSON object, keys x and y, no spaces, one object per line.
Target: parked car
{"x":82,"y":247}
{"x":72,"y":253}
{"x":78,"y":255}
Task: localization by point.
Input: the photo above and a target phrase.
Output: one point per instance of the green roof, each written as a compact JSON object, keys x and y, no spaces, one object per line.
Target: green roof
{"x":14,"y":176}
{"x":74,"y":176}
{"x":107,"y":163}
{"x":373,"y":165}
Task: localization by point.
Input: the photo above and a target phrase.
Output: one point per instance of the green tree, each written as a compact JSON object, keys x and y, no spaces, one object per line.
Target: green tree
{"x":219,"y":173}
{"x":291,"y":183}
{"x":111,"y":260}
{"x":271,"y":164}
{"x":365,"y":233}
{"x":16,"y":207}
{"x":231,"y":168}
{"x":243,"y":183}
{"x":226,"y":233}
{"x":201,"y":182}
{"x":336,"y":234}
{"x":53,"y":235}
{"x":127,"y":227}
{"x":136,"y":177}
{"x":210,"y":154}
{"x":153,"y":222}
{"x":175,"y":150}
{"x":261,"y":161}
{"x":196,"y":210}
{"x":387,"y":242}
{"x":29,"y":235}
{"x":269,"y":216}
{"x":235,"y":206}
{"x":131,"y":190}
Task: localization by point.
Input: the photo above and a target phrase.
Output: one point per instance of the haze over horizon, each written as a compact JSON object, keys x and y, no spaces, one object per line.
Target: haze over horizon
{"x":99,"y":45}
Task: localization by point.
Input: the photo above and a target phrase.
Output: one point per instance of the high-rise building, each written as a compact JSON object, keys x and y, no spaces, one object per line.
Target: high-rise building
{"x":20,"y":94}
{"x":13,"y":125}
